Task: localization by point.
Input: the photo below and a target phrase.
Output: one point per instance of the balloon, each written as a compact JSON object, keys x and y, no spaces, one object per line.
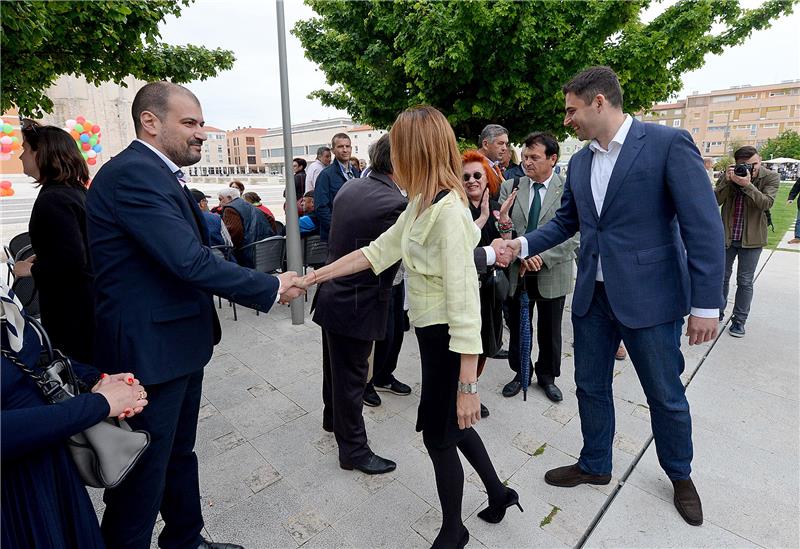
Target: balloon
{"x":15,"y":146}
{"x":93,"y":140}
{"x":14,"y":138}
{"x":84,"y":137}
{"x":85,"y":146}
{"x":91,"y":154}
{"x":8,"y":128}
{"x":5,"y":148}
{"x":78,"y":128}
{"x":75,"y":135}
{"x":5,"y":184}
{"x":95,"y":129}
{"x":85,"y":155}
{"x":6,"y":192}
{"x":80,"y":120}
{"x":70,"y":123}
{"x":98,"y":148}
{"x":6,"y":140}
{"x":91,"y":161}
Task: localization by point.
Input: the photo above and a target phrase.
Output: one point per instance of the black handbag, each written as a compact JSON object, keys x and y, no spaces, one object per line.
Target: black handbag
{"x":104,"y":453}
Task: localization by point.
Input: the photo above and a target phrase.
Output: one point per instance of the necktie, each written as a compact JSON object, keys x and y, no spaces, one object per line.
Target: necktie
{"x":536,"y":208}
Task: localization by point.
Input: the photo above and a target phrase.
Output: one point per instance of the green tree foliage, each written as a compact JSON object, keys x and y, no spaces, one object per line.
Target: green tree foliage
{"x":100,"y":40}
{"x":786,"y":145}
{"x":504,"y":61}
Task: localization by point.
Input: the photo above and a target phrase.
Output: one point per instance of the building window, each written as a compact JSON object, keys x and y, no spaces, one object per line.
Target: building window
{"x":208,"y":158}
{"x":264,"y":153}
{"x":298,"y":151}
{"x":770,"y":125}
{"x":753,"y":128}
{"x":251,"y":159}
{"x":676,"y":123}
{"x":695,"y":130}
{"x":251,"y":140}
{"x":276,"y":152}
{"x":356,"y":147}
{"x":777,"y":94}
{"x":697,"y":115}
{"x":662,"y":122}
{"x":251,"y":150}
{"x":219,"y":149}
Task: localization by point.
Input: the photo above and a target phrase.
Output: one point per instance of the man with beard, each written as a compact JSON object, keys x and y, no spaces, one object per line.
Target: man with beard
{"x":154,"y":281}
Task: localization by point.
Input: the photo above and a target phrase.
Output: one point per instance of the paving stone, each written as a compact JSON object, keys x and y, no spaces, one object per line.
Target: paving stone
{"x":304,"y":526}
{"x":329,"y":538}
{"x":291,"y":446}
{"x":224,"y":478}
{"x":262,"y":477}
{"x":561,"y":413}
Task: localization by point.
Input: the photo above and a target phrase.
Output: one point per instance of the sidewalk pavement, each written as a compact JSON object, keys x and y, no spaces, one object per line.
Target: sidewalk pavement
{"x":269,"y":474}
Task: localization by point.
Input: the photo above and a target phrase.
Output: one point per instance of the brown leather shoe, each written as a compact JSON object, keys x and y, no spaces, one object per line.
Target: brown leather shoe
{"x":572,"y":475}
{"x":687,"y":501}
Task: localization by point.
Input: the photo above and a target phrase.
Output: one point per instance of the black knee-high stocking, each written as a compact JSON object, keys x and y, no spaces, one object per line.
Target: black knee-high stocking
{"x":450,"y":486}
{"x":473,"y":449}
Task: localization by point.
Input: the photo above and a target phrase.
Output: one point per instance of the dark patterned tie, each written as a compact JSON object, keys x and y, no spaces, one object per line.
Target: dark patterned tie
{"x":536,"y":208}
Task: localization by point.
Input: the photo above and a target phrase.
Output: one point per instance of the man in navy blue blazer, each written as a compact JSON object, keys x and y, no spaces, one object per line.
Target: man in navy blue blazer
{"x":154,"y":281}
{"x":652,"y":251}
{"x":330,"y":180}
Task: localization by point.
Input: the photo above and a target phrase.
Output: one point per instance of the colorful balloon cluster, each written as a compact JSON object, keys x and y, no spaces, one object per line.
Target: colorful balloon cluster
{"x":87,"y":137}
{"x":5,"y":188}
{"x":9,"y":141}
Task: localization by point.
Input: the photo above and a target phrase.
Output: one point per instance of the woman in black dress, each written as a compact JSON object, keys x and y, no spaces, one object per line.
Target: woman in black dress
{"x":57,"y":228}
{"x":44,"y":502}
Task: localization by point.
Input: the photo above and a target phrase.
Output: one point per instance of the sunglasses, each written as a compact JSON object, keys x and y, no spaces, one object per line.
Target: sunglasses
{"x":476,"y":176}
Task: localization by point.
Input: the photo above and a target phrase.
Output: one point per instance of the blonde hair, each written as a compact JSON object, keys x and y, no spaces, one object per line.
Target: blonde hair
{"x":425,"y":156}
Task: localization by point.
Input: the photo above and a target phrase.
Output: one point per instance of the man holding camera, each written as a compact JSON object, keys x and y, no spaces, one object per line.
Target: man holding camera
{"x":746,"y":192}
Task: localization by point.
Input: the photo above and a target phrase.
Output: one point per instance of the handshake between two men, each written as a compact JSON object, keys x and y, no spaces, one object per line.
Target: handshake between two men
{"x":506,"y":251}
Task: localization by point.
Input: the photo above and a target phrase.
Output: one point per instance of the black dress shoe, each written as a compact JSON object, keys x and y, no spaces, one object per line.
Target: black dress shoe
{"x":462,"y":542}
{"x":394,"y":386}
{"x":373,"y":465}
{"x":371,"y":397}
{"x":573,"y":475}
{"x":494,"y":515}
{"x":205,"y":544}
{"x":484,"y":411}
{"x":552,"y":392}
{"x":501,"y":354}
{"x":687,"y":501}
{"x":513,"y":388}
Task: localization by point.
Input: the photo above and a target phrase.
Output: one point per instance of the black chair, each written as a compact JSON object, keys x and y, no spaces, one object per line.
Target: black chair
{"x":225,"y":252}
{"x":269,"y":254}
{"x":17,"y":244}
{"x":315,"y":252}
{"x":25,"y":290}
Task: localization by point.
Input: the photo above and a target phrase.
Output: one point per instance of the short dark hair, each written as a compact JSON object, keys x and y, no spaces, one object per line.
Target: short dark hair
{"x":301,"y":162}
{"x":58,"y":159}
{"x":544,"y":139}
{"x":593,"y":81}
{"x":744,"y":153}
{"x":339,"y":136}
{"x":309,"y":194}
{"x":154,"y":97}
{"x":322,"y":150}
{"x":380,"y":155}
{"x":251,"y":197}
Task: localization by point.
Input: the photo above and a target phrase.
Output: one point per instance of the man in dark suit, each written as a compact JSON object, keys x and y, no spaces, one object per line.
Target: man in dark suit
{"x":651,"y":253}
{"x":330,"y":180}
{"x":154,"y":281}
{"x":353,"y":310}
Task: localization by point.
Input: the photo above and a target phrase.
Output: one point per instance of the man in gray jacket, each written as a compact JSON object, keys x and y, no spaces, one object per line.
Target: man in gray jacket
{"x":549,"y":275}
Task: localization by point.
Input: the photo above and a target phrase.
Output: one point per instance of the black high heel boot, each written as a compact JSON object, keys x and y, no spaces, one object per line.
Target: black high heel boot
{"x":494,"y":515}
{"x":462,"y":542}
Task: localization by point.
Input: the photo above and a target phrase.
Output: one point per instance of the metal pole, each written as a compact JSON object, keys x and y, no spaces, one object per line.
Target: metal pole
{"x":293,"y":253}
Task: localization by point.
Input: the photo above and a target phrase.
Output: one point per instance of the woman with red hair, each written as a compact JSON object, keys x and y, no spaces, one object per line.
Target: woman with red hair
{"x":481,"y":183}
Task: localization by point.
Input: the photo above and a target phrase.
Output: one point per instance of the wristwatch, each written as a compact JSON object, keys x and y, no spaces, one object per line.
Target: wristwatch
{"x":468,"y":388}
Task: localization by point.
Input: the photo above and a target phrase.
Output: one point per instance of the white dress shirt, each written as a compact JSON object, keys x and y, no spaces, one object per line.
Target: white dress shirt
{"x":603,"y":162}
{"x":312,"y":172}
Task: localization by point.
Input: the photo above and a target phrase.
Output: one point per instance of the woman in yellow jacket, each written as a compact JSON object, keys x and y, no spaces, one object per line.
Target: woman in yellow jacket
{"x":435,"y":237}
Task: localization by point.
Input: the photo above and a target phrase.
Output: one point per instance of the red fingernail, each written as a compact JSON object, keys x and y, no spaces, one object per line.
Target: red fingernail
{"x":102,"y":376}
{"x":129,"y":380}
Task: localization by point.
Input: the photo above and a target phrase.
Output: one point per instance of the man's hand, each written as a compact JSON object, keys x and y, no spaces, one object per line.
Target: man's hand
{"x":741,"y":181}
{"x":289,"y":288}
{"x":505,"y":250}
{"x":533,"y":264}
{"x":22,"y":268}
{"x":701,"y":330}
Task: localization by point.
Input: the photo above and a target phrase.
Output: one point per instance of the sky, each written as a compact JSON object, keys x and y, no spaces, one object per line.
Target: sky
{"x":249,"y":94}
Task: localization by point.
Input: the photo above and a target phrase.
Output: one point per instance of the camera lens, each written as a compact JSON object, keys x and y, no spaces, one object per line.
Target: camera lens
{"x":741,"y":170}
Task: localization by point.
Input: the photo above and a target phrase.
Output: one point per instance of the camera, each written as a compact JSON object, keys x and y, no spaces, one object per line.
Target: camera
{"x":743,"y":170}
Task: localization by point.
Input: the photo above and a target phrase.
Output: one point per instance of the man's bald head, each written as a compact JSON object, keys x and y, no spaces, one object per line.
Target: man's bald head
{"x":154,"y":98}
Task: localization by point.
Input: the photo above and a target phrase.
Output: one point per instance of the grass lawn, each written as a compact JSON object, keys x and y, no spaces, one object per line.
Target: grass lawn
{"x":783,"y":215}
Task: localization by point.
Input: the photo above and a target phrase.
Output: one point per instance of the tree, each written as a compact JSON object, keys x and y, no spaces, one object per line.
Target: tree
{"x":504,"y":61}
{"x":786,"y":145}
{"x":100,"y":40}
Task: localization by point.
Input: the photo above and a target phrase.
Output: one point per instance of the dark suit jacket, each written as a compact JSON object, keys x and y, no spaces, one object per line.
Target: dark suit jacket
{"x":357,"y":305}
{"x":155,"y":275}
{"x":328,"y":183}
{"x":659,"y":233}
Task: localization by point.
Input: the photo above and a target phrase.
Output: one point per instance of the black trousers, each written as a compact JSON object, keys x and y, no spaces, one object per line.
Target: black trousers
{"x":388,"y":350}
{"x":165,"y":478}
{"x":345,"y":365}
{"x":548,"y":328}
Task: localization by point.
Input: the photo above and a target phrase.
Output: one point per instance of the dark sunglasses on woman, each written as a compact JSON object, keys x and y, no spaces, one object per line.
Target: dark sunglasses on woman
{"x":476,"y":176}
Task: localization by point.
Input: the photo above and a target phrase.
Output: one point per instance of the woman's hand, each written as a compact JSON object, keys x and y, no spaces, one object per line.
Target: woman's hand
{"x":484,"y":217}
{"x":22,"y":268}
{"x":506,"y":206}
{"x":125,"y":396}
{"x":468,"y":409}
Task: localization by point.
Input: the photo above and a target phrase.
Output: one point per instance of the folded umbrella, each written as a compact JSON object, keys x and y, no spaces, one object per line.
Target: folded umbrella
{"x":524,"y":342}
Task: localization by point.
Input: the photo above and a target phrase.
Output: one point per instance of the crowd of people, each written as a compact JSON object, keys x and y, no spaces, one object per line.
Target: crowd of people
{"x":457,"y":245}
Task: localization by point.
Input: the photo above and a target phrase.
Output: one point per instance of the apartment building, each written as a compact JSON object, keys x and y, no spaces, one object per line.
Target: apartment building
{"x":747,"y":115}
{"x":244,"y":150}
{"x":214,"y":160}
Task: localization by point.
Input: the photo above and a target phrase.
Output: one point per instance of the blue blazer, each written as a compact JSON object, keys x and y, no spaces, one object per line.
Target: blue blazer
{"x":155,"y":275}
{"x":659,"y":233}
{"x":328,"y":183}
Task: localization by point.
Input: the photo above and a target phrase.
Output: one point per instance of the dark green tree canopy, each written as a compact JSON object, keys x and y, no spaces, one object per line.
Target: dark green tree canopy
{"x":505,"y":62}
{"x":786,"y":145}
{"x":100,"y":40}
